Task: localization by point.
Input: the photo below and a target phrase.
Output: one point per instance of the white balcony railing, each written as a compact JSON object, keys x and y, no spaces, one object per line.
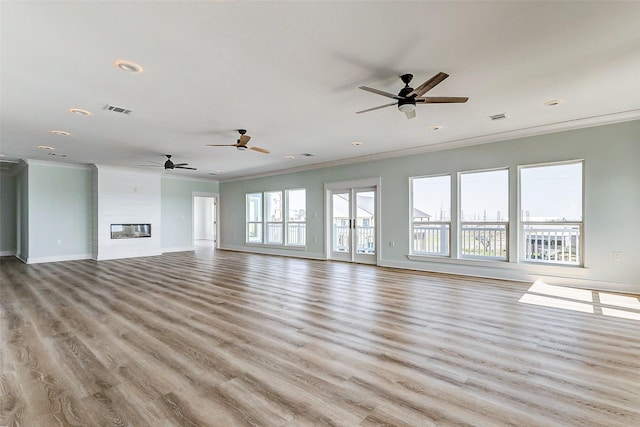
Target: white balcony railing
{"x":431,"y":238}
{"x":484,"y":240}
{"x":365,"y":239}
{"x":552,"y":243}
{"x":297,"y":234}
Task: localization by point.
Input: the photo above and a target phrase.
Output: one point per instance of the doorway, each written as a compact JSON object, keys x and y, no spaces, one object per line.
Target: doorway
{"x":205,"y":221}
{"x":352,"y":223}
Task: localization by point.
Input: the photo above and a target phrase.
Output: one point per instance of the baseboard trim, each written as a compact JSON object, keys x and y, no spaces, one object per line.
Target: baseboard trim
{"x":178,"y":249}
{"x":40,"y":260}
{"x":127,"y":255}
{"x":513,"y":275}
{"x":7,"y":253}
{"x":268,"y":251}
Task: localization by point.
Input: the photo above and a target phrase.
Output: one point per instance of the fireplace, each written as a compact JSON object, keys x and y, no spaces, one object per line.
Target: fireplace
{"x":130,"y":231}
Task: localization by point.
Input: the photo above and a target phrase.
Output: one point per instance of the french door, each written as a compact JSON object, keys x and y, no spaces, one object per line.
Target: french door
{"x":353,"y":224}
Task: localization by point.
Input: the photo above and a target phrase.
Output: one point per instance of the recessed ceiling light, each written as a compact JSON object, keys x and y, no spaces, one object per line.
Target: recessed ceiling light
{"x":211,"y":173}
{"x":436,"y":127}
{"x":80,"y":112}
{"x":60,"y":132}
{"x":552,"y":102}
{"x":45,"y":147}
{"x":289,"y":157}
{"x":219,"y":171}
{"x":307,"y":154}
{"x":128,"y":66}
{"x":356,"y":143}
{"x":2,"y":155}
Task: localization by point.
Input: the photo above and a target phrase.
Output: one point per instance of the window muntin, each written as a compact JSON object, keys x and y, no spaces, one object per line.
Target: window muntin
{"x":484,"y":214}
{"x":296,"y":201}
{"x":431,"y":215}
{"x":254,"y":218}
{"x":551,"y":213}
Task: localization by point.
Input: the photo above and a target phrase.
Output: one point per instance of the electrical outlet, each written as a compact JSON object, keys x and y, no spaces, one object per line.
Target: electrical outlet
{"x":59,"y":241}
{"x":392,"y":244}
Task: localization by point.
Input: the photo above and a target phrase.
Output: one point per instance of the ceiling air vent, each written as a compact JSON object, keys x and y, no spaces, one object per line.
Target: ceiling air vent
{"x":116,"y":109}
{"x":307,"y":154}
{"x":500,"y":116}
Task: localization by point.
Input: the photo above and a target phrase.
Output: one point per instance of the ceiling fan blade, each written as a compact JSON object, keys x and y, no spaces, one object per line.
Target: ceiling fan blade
{"x":155,"y":163}
{"x":244,"y":139}
{"x":379,"y":92}
{"x":151,"y":166}
{"x":222,"y":145}
{"x":376,"y":108}
{"x":184,"y":167}
{"x":260,"y":150}
{"x":442,"y":99}
{"x":429,"y":84}
{"x":411,"y":114}
{"x":180,"y":164}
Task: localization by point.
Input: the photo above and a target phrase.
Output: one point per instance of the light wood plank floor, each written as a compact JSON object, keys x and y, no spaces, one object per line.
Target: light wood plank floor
{"x":232,"y":339}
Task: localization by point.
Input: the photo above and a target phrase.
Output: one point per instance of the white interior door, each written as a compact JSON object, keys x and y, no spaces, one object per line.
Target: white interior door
{"x":353,"y":225}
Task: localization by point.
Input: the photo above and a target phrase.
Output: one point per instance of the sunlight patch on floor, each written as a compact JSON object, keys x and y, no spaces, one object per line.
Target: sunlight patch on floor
{"x":582,"y":300}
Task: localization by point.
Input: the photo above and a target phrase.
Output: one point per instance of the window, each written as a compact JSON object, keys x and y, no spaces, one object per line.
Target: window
{"x":551,"y":213}
{"x":254,"y":218}
{"x":431,"y":215}
{"x":273,"y":208}
{"x":269,"y":229}
{"x":296,"y":217}
{"x":484,"y":214}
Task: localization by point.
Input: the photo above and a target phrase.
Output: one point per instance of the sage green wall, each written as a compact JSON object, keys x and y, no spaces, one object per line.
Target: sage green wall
{"x":177,"y":210}
{"x":59,"y":212}
{"x":22,"y":213}
{"x":8,"y":215}
{"x":611,"y":200}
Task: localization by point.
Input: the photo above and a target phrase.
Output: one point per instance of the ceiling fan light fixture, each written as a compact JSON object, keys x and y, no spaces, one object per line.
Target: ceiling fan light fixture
{"x":60,"y":132}
{"x":241,"y":147}
{"x":406,"y":108}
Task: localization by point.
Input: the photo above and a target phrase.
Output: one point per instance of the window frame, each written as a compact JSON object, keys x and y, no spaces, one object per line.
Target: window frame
{"x":496,"y":224}
{"x":444,"y":225}
{"x":288,"y":222}
{"x":567,"y":224}
{"x":265,"y":224}
{"x":273,"y":225}
{"x":256,"y":223}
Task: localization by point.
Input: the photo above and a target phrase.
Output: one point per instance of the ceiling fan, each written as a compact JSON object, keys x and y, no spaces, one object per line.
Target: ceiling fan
{"x":241,"y":143}
{"x":408,"y":97}
{"x":169,"y":165}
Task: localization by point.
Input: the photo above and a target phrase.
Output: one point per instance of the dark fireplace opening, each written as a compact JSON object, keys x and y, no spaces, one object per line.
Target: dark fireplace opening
{"x":130,"y":231}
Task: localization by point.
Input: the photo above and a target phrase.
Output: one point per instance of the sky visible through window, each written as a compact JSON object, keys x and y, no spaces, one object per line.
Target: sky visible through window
{"x":548,"y":193}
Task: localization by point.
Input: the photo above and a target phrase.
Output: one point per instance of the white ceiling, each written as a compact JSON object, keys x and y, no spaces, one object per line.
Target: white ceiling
{"x":289,"y":73}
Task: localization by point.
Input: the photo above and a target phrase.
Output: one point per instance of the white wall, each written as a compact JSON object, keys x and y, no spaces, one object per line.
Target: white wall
{"x":127,"y":196}
{"x":611,"y":203}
